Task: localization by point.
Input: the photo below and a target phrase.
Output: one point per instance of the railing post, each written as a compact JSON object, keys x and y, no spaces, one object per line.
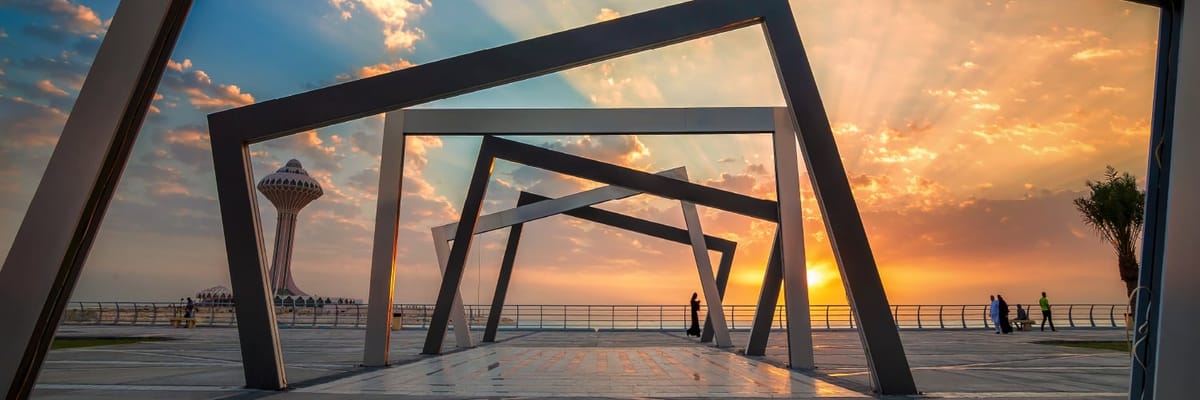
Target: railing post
{"x":896,"y":315}
{"x":637,"y":318}
{"x":1070,"y":318}
{"x":1092,"y":318}
{"x":135,"y":313}
{"x":732,"y":316}
{"x":1112,"y":315}
{"x":660,"y":317}
{"x":827,"y":317}
{"x":919,"y":317}
{"x":986,"y":317}
{"x":99,"y":313}
{"x":153,"y":314}
{"x":941,"y":320}
{"x":117,"y":319}
{"x":779,"y":315}
{"x":564,"y":317}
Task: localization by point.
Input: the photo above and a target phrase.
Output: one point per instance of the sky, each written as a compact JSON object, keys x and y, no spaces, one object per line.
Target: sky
{"x":966,"y":129}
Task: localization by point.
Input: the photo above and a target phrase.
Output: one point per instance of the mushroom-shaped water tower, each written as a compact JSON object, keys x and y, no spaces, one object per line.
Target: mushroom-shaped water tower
{"x":289,"y":189}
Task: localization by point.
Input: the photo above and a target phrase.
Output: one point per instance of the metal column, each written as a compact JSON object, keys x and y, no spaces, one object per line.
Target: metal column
{"x":52,"y":244}
{"x":383,"y":252}
{"x":790,"y":243}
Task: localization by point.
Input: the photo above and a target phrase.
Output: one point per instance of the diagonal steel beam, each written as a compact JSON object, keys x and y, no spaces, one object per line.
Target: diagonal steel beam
{"x":864,"y":289}
{"x":492,"y":148}
{"x":52,"y":244}
{"x":487,"y":68}
{"x":516,"y":216}
{"x":601,"y":216}
{"x":233,"y":130}
{"x":531,"y":212}
{"x":519,"y":215}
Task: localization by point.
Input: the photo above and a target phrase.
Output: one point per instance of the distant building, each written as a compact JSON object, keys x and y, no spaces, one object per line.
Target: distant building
{"x":289,"y":189}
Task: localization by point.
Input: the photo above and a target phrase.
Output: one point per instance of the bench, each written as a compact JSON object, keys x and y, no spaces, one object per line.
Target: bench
{"x":1023,"y":324}
{"x":179,"y":322}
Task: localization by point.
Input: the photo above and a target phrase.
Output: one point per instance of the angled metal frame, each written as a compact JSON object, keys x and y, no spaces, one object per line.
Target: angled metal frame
{"x":232,"y":131}
{"x":687,"y":193}
{"x":527,"y":212}
{"x":444,"y":122}
{"x":727,"y":249}
{"x":52,"y":244}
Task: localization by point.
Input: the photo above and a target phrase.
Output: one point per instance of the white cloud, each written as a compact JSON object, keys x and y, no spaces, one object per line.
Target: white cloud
{"x":394,"y":15}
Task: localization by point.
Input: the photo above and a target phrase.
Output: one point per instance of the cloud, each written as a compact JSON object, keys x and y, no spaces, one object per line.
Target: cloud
{"x":200,"y":90}
{"x":1096,"y":53}
{"x":607,"y":14}
{"x":368,"y":71}
{"x":394,"y":15}
{"x":624,"y":150}
{"x":188,"y":144}
{"x":179,"y":66}
{"x":48,"y":87}
{"x":29,"y":125}
{"x":67,"y":16}
{"x":63,"y":70}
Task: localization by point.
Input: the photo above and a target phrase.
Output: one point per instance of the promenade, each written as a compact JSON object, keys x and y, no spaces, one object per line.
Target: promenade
{"x":203,"y":363}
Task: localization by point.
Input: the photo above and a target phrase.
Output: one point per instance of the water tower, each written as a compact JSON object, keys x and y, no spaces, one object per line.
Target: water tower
{"x":289,"y":189}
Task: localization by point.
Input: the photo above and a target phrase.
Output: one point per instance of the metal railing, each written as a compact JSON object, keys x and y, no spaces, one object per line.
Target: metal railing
{"x":585,"y":317}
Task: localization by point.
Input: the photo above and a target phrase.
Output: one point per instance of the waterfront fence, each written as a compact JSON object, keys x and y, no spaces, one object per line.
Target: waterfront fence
{"x":585,"y":317}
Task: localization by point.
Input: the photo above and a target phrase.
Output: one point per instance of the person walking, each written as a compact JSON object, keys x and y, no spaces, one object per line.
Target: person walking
{"x":1005,"y":326}
{"x":695,"y":329}
{"x":995,"y":313}
{"x":189,"y":310}
{"x":1045,"y":304}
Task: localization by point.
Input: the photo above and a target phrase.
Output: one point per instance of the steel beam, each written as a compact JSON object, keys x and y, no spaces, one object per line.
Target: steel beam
{"x":52,"y":244}
{"x":723,"y":268}
{"x":506,"y":268}
{"x":768,"y":298}
{"x":589,"y":44}
{"x":534,"y":211}
{"x":483,"y":69}
{"x":589,"y":121}
{"x":666,"y":232}
{"x":458,"y":315}
{"x":889,"y":367}
{"x":492,"y":148}
{"x":791,"y":243}
{"x":383,"y":253}
{"x":708,"y":282}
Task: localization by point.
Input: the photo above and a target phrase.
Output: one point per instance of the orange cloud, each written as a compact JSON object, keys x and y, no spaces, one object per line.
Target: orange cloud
{"x":48,"y":87}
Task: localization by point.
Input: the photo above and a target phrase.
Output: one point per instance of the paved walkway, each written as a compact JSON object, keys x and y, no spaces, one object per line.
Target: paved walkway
{"x":322,"y":364}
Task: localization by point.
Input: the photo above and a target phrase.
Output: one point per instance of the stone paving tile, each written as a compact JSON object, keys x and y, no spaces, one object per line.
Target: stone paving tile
{"x":205,"y":363}
{"x":679,"y":371}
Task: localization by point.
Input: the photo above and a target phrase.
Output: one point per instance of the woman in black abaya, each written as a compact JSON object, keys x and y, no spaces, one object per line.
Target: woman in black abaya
{"x":695,"y":329}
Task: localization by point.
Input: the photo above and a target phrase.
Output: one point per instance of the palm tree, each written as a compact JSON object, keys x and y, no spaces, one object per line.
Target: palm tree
{"x":1115,"y":209}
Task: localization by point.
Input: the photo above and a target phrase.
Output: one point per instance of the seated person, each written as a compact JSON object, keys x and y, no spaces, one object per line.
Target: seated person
{"x":1022,"y":315}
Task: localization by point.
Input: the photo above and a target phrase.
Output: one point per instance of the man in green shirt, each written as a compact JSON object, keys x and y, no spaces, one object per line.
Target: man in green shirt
{"x":1045,"y":304}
